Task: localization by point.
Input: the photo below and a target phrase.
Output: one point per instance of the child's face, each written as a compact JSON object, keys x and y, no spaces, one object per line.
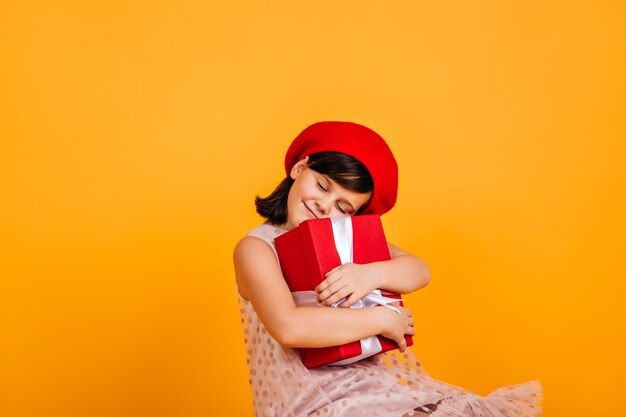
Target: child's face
{"x":314,"y":195}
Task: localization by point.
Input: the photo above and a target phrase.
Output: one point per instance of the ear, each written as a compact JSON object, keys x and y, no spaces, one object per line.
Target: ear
{"x":298,"y":167}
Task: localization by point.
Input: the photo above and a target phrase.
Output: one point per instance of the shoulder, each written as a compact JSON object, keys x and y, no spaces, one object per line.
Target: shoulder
{"x":261,"y":236}
{"x":253,"y":251}
{"x":255,"y":265}
{"x":250,"y":245}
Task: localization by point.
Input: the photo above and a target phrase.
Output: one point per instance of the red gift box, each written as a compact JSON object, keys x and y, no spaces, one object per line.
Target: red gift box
{"x":310,"y":250}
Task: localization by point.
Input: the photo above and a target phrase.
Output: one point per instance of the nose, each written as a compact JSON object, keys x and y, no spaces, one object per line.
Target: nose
{"x":323,"y":206}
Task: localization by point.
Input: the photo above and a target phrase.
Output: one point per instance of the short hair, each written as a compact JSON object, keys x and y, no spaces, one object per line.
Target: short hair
{"x":340,"y":167}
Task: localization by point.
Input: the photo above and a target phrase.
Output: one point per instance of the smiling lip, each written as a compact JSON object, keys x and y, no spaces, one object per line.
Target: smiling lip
{"x":310,"y":211}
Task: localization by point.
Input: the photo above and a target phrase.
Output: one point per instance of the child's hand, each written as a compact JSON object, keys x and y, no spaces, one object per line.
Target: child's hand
{"x":350,"y":280}
{"x":398,"y":325}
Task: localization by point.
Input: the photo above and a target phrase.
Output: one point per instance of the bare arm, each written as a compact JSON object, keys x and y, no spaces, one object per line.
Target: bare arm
{"x":402,"y":274}
{"x":260,"y":281}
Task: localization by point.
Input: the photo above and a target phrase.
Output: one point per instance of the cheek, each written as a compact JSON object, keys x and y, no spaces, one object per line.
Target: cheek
{"x":308,"y":190}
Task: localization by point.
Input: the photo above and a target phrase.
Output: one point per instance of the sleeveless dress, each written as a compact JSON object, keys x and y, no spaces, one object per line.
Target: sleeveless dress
{"x":391,"y":384}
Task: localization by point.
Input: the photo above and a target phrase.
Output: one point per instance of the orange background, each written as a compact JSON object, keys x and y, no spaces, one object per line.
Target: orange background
{"x":134,"y":137}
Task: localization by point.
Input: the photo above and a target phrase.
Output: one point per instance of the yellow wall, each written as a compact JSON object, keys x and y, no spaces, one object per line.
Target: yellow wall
{"x":133,"y":139}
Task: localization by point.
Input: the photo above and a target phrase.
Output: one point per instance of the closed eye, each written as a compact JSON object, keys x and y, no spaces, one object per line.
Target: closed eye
{"x":321,"y":187}
{"x":345,"y":208}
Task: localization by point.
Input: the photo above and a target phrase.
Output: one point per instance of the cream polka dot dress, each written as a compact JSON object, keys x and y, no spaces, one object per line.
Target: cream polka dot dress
{"x":392,"y":384}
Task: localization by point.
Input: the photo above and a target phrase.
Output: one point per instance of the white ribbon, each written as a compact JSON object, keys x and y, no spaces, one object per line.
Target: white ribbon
{"x":342,"y":233}
{"x":375,"y":298}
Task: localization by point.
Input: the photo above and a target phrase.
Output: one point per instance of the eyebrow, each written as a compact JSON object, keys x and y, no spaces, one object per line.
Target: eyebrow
{"x":331,"y":184}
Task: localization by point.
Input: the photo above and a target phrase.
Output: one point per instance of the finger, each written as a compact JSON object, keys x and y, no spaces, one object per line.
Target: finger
{"x":327,"y":283}
{"x":322,"y":286}
{"x":338,"y":296}
{"x":342,"y":293}
{"x":401,"y":344}
{"x":332,"y":289}
{"x":351,"y":300}
{"x":332,"y":270}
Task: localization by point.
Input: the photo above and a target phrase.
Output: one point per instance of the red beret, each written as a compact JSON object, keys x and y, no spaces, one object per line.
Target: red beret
{"x":360,"y":142}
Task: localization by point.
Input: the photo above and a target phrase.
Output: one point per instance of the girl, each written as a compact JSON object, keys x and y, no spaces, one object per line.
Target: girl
{"x":343,"y":169}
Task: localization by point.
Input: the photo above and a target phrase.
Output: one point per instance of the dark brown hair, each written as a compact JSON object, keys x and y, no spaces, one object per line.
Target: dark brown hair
{"x":341,"y":168}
